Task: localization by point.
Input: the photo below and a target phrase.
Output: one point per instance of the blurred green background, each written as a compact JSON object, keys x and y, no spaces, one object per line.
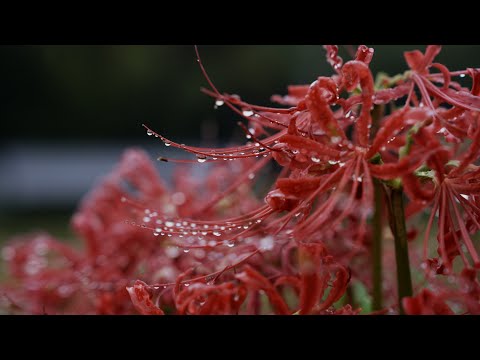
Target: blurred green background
{"x":68,"y":111}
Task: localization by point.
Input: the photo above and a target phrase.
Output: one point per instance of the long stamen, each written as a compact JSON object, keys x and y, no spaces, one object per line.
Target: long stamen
{"x":466,"y":237}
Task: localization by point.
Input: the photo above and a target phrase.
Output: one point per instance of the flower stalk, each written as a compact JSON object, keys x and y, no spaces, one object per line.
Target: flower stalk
{"x":377,"y":248}
{"x":399,"y":230}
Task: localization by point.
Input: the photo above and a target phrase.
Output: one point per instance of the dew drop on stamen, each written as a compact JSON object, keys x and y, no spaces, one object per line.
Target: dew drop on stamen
{"x":149,"y":132}
{"x":247,"y":113}
{"x":216,"y":233}
{"x":201,"y":158}
{"x":146,"y":219}
{"x":167,"y":143}
{"x":462,"y":75}
{"x":251,"y":176}
{"x":218,"y":103}
{"x":186,"y":251}
{"x":315,"y":159}
{"x":169,"y":223}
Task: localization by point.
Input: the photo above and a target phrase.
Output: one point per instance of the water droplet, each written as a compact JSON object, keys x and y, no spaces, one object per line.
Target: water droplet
{"x":247,"y":113}
{"x":155,"y":233}
{"x":315,"y":160}
{"x":229,"y":243}
{"x":167,"y":143}
{"x":336,"y":139}
{"x":201,"y":158}
{"x":258,"y":221}
{"x":146,"y":219}
{"x":251,"y":176}
{"x":462,"y":75}
{"x":245,"y":227}
{"x":216,"y":233}
{"x":204,"y":233}
{"x":186,"y":284}
{"x":267,"y":243}
{"x":218,"y":103}
{"x":212,"y":243}
{"x":169,"y":223}
{"x":159,"y":230}
{"x":186,"y":251}
{"x":149,"y":132}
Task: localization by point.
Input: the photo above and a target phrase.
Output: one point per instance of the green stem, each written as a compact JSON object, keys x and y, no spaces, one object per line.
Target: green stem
{"x":399,"y":229}
{"x":350,"y":296}
{"x":377,"y":247}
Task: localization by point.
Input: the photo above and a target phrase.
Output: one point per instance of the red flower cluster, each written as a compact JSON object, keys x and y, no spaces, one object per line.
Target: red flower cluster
{"x":210,"y":246}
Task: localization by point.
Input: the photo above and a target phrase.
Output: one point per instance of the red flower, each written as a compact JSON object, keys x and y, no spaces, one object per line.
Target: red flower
{"x":209,"y":246}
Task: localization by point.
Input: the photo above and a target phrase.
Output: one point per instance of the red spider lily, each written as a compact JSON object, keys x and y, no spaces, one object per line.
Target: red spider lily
{"x":460,"y":294}
{"x":209,"y":246}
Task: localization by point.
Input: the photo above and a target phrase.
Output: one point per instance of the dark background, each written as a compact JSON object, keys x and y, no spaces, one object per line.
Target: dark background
{"x":67,"y":112}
